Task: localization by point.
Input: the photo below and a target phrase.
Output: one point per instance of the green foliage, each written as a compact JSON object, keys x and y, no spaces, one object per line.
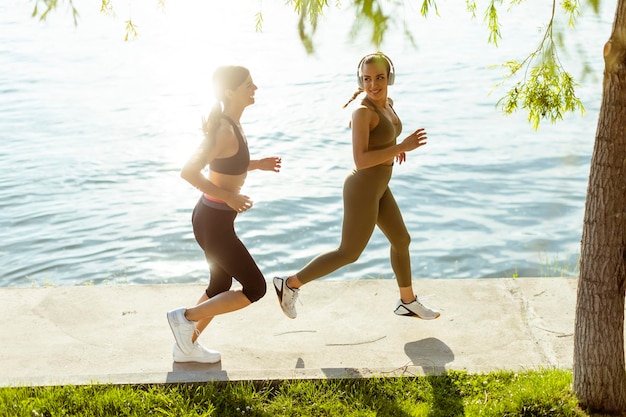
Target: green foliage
{"x":571,"y":7}
{"x":546,"y":91}
{"x":595,"y":4}
{"x":545,"y":94}
{"x":471,"y":7}
{"x":427,"y":4}
{"x":50,"y":5}
{"x":106,"y":7}
{"x":258,"y":25}
{"x":309,"y":13}
{"x":491,"y":17}
{"x":370,"y":12}
{"x":131,"y":30}
{"x":455,"y":393}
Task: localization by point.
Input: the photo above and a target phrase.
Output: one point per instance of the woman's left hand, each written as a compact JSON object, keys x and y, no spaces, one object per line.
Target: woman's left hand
{"x":272,"y":163}
{"x":401,"y":157}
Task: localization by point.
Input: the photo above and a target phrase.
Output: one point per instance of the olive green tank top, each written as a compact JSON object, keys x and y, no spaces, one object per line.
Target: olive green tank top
{"x":385,"y":133}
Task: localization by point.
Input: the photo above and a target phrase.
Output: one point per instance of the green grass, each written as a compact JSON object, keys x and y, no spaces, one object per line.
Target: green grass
{"x":501,"y":394}
{"x":554,"y":267}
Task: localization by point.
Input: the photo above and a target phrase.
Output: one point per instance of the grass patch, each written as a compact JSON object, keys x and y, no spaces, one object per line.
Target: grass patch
{"x":455,"y":393}
{"x":555,"y":267}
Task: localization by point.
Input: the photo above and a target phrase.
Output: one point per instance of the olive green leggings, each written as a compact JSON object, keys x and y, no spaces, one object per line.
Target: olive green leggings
{"x":367,"y":202}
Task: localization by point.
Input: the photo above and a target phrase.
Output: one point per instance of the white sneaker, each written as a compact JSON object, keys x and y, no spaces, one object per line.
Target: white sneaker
{"x":182,"y":329}
{"x":199,"y":354}
{"x":415,"y":309}
{"x":286,"y":297}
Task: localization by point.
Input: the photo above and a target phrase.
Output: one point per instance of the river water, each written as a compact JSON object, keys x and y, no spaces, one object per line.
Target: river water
{"x":94,"y":131}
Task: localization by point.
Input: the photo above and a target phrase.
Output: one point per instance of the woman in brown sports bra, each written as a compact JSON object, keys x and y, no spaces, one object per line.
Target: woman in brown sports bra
{"x":225,"y":150}
{"x":368,"y":201}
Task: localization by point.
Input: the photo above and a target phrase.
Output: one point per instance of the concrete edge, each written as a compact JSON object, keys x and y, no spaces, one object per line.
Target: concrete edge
{"x":196,"y":377}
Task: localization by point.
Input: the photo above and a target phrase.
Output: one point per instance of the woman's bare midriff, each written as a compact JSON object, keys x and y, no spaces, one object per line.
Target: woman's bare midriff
{"x":228,"y":182}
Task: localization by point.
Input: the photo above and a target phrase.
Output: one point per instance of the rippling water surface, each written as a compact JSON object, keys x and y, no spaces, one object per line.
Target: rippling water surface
{"x":94,"y":132}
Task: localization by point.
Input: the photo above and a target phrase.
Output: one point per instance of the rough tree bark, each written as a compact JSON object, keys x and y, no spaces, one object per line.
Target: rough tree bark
{"x":599,"y":373}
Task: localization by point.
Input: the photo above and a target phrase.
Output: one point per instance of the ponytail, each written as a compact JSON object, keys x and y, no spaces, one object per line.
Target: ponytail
{"x":224,"y":78}
{"x":355,"y":95}
{"x":211,"y":122}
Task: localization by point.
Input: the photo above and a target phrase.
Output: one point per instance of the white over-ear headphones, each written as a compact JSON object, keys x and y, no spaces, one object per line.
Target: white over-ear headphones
{"x":390,"y":76}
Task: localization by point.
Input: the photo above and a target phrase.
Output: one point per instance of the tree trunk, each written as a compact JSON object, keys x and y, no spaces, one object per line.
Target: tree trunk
{"x":599,"y":374}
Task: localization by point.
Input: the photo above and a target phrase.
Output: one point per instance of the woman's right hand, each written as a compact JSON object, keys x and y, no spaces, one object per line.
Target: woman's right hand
{"x":239,"y":202}
{"x":414,"y":140}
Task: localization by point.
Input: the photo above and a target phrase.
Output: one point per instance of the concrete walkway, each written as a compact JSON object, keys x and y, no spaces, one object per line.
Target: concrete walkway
{"x":119,"y":334}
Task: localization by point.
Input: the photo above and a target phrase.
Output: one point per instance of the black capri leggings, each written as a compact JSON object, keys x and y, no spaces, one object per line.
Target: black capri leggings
{"x":227,"y":256}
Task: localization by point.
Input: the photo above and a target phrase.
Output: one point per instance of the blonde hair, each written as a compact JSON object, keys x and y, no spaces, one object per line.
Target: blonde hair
{"x":354,"y":96}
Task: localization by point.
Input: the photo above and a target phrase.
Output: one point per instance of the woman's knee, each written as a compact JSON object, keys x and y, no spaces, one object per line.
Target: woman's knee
{"x":218,"y":285}
{"x":401,"y":242}
{"x":350,"y":254}
{"x":255,"y":291}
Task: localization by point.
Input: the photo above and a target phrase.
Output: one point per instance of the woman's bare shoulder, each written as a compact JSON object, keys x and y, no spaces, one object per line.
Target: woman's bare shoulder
{"x":225,"y":133}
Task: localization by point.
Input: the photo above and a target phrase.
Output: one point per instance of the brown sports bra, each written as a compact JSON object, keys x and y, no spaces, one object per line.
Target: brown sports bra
{"x":385,"y":133}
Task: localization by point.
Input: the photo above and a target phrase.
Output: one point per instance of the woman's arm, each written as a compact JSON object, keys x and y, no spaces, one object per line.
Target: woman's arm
{"x":192,"y":171}
{"x":203,"y":155}
{"x":361,"y":125}
{"x":272,"y":163}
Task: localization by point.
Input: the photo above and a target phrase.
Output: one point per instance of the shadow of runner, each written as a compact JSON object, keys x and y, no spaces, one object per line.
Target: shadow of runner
{"x":192,"y":372}
{"x":195,"y":366}
{"x":430,"y":354}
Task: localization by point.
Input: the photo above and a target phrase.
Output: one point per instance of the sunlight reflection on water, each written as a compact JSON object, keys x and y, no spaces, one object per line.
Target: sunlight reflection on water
{"x":95,"y":131}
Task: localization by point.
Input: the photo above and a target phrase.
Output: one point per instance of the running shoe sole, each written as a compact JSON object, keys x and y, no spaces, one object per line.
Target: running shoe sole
{"x":279,"y":294}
